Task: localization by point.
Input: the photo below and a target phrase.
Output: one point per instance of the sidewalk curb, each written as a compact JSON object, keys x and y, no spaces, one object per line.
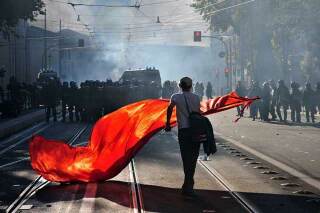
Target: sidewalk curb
{"x":17,"y":126}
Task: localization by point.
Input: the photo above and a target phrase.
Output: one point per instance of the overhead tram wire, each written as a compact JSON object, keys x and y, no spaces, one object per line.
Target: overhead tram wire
{"x":157,"y":3}
{"x":222,"y":9}
{"x":135,"y":6}
{"x":72,"y":4}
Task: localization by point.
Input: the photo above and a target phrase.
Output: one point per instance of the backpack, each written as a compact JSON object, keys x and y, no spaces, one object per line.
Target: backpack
{"x":201,"y":130}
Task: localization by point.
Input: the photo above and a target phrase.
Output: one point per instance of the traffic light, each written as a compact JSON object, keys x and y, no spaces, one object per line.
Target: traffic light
{"x":197,"y":36}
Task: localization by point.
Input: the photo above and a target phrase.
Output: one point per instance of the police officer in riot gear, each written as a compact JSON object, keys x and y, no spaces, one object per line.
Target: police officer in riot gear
{"x":318,"y":96}
{"x":273,"y":104}
{"x":265,"y":101}
{"x":283,"y":100}
{"x":254,"y":91}
{"x":309,"y":96}
{"x":209,"y":90}
{"x":72,"y":102}
{"x":64,"y":99}
{"x":50,"y":98}
{"x":241,"y":91}
{"x":295,"y":102}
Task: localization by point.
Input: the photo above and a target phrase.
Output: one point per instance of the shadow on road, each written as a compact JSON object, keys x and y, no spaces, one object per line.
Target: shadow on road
{"x":164,"y":199}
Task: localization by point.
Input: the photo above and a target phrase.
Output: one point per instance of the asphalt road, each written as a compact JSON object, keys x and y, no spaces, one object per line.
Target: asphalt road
{"x":159,"y":174}
{"x":296,"y":145}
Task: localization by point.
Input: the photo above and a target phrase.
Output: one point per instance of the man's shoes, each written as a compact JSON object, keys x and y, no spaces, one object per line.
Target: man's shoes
{"x":204,"y":158}
{"x":189,"y":194}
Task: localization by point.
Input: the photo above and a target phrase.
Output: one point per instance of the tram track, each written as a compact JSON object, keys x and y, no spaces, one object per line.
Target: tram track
{"x":237,"y":196}
{"x":39,"y":182}
{"x":136,"y":194}
{"x":22,"y":137}
{"x":247,"y":206}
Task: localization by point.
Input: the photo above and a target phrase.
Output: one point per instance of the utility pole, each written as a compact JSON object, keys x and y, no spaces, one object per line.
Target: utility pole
{"x":45,"y":41}
{"x":230,"y":65}
{"x":59,"y":51}
{"x":26,"y":57}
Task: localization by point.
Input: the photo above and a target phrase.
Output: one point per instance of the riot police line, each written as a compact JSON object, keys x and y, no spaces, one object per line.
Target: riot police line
{"x":85,"y":102}
{"x":278,"y":98}
{"x":92,"y":99}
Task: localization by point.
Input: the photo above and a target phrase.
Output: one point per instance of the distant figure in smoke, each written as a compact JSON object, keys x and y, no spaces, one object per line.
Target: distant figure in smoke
{"x":283,"y":100}
{"x":265,"y":101}
{"x":273,"y":104}
{"x":175,"y":87}
{"x":167,"y":90}
{"x":295,"y":102}
{"x":209,"y":90}
{"x":253,"y":92}
{"x":201,"y":90}
{"x":318,"y":96}
{"x":241,"y":91}
{"x":309,"y":102}
{"x":197,"y":89}
{"x":189,"y":148}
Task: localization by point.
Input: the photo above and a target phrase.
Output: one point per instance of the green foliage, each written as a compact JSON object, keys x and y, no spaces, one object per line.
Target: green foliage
{"x":213,"y":11}
{"x":290,"y":24}
{"x":11,"y":11}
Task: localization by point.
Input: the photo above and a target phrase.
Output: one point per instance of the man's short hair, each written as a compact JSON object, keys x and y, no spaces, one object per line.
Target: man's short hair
{"x":185,"y":83}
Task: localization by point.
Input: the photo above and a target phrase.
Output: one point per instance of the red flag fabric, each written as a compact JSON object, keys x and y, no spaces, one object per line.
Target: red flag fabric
{"x":114,"y":141}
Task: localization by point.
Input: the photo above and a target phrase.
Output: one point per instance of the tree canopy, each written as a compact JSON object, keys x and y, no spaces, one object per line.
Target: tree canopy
{"x":289,"y":27}
{"x":11,"y":11}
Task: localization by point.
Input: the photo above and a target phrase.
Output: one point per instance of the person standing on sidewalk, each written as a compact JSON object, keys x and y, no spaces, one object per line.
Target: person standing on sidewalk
{"x":189,"y":149}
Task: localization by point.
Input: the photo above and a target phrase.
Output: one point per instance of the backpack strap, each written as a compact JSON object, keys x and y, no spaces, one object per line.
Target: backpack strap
{"x":187,"y":105}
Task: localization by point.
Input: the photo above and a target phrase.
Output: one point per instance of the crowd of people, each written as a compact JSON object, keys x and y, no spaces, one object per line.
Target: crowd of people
{"x":86,"y":102}
{"x":92,"y":99}
{"x":278,"y":98}
{"x":171,"y":87}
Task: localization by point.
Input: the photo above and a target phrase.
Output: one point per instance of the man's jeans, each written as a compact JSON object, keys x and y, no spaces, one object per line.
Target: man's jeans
{"x":189,"y":153}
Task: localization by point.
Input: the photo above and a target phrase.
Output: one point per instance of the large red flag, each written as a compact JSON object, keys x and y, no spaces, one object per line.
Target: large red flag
{"x":114,"y":141}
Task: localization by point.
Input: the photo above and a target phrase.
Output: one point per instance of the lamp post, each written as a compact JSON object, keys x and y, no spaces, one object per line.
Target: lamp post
{"x":45,"y":41}
{"x":228,"y":50}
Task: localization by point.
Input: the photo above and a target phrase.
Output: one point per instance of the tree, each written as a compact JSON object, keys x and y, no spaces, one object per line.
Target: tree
{"x":278,"y":32}
{"x":249,"y":21}
{"x":11,"y":11}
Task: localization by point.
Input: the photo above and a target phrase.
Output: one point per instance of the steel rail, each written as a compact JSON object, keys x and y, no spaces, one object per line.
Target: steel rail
{"x":237,"y":196}
{"x":25,"y":136}
{"x":20,"y":134}
{"x":136,"y":193}
{"x":23,"y":140}
{"x":38,"y":183}
{"x":217,"y":176}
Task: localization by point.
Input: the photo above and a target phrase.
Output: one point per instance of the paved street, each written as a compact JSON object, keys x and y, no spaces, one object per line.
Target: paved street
{"x":296,"y":145}
{"x":227,"y":183}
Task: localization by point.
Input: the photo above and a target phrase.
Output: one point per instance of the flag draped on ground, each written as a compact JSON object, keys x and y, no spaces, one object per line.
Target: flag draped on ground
{"x":114,"y":141}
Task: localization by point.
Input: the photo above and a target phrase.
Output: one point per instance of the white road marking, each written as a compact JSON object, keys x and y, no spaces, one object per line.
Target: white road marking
{"x":310,"y":180}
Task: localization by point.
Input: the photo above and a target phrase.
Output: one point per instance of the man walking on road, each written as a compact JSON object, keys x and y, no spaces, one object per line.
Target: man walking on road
{"x":189,"y":148}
